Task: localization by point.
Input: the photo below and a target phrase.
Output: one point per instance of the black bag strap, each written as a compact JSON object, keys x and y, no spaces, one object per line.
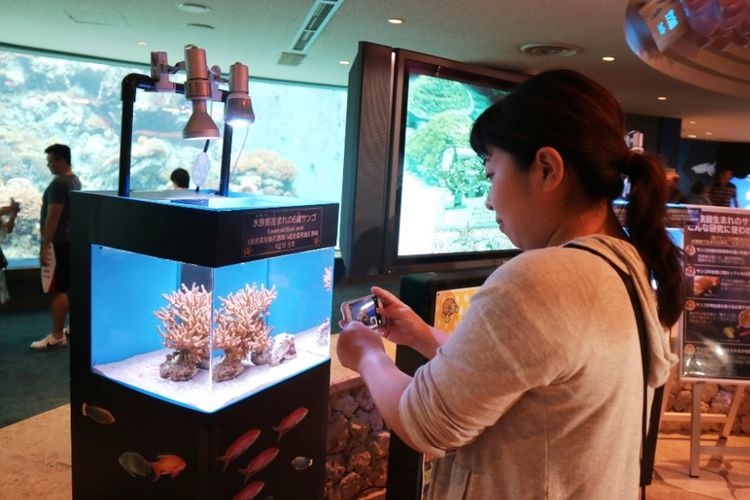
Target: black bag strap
{"x":649,"y":433}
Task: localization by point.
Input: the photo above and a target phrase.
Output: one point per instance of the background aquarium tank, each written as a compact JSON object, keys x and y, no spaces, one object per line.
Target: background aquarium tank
{"x":204,"y":337}
{"x":294,"y":148}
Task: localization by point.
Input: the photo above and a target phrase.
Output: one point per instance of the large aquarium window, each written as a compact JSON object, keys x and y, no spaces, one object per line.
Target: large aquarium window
{"x":294,"y":148}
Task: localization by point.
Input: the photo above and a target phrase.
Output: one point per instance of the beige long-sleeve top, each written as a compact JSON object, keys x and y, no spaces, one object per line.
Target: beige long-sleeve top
{"x":538,"y":393}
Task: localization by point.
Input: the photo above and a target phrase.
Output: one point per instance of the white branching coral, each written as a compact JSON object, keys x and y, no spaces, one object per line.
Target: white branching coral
{"x":186,"y":321}
{"x":328,"y":278}
{"x":241,"y":327}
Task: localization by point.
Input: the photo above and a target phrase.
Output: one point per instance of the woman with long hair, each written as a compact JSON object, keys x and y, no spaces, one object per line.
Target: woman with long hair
{"x":539,"y":392}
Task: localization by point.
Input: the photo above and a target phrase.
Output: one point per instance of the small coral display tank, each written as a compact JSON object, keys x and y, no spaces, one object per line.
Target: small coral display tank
{"x":202,"y":319}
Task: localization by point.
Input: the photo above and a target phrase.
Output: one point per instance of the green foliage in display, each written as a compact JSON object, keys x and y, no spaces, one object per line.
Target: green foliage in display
{"x":427,"y":94}
{"x":440,"y":115}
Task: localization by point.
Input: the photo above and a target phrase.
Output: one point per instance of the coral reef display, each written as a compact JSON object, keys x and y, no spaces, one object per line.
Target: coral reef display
{"x":241,"y":332}
{"x":78,"y":103}
{"x":263,"y":171}
{"x":187,"y":326}
{"x":241,"y":328}
{"x":25,"y":240}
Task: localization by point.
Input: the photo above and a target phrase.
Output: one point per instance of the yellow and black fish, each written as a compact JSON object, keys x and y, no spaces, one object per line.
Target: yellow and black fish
{"x":135,"y":464}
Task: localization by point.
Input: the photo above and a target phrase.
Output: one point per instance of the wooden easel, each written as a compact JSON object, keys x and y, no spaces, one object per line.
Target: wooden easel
{"x":697,"y":418}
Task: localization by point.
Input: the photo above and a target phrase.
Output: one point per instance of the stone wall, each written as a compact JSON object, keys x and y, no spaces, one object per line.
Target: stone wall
{"x":357,"y":449}
{"x":714,"y":399}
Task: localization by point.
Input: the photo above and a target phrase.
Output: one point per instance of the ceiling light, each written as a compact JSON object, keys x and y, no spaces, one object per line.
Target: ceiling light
{"x":395,"y":20}
{"x":550,"y":49}
{"x":344,"y":62}
{"x":692,"y":122}
{"x":662,"y":98}
{"x":709,"y":133}
{"x":608,"y":58}
{"x":142,"y":43}
{"x":193,"y":8}
{"x":692,"y":136}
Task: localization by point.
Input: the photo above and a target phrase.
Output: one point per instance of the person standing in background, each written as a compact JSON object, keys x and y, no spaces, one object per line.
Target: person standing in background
{"x":6,"y":227}
{"x":723,"y":193}
{"x":55,"y":225}
{"x":697,"y":195}
{"x":674,"y":195}
{"x":180,"y":178}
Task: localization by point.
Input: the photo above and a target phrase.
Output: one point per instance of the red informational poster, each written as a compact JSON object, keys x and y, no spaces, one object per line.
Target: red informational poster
{"x":48,"y":271}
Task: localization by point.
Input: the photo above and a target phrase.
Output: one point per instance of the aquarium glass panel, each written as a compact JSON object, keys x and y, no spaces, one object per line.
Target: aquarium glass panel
{"x":443,"y":182}
{"x":205,"y":337}
{"x":294,"y":148}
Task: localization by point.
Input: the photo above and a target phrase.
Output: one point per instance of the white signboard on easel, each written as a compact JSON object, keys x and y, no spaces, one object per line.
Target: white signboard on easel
{"x":714,"y":343}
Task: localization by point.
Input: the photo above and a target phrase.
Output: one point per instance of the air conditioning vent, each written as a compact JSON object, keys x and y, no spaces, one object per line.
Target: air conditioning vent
{"x":550,"y":49}
{"x":316,"y":20}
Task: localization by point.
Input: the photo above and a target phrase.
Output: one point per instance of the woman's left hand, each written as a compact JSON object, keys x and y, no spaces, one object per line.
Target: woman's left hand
{"x":355,"y":342}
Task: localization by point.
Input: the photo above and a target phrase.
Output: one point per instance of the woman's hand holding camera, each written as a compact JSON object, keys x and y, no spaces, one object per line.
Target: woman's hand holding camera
{"x":404,"y":327}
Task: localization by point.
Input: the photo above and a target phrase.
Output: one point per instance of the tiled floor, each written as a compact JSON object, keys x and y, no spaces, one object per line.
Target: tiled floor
{"x":35,"y":463}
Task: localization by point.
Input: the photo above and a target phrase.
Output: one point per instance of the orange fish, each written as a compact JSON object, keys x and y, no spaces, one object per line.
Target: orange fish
{"x":97,"y":414}
{"x":290,"y":421}
{"x":240,"y":445}
{"x":250,"y":491}
{"x":168,"y":464}
{"x":259,"y":463}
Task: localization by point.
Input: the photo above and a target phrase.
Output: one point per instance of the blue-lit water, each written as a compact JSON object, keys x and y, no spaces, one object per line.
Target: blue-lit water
{"x":743,"y":191}
{"x":126,"y":345}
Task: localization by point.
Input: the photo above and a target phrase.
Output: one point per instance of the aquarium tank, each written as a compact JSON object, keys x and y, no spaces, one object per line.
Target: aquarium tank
{"x":294,"y":148}
{"x":205,"y":337}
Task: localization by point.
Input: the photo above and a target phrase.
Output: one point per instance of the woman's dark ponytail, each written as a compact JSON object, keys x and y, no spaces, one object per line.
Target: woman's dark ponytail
{"x":645,"y":221}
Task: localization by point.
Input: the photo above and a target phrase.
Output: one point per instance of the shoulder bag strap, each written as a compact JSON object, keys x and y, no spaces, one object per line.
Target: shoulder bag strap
{"x":648,"y":433}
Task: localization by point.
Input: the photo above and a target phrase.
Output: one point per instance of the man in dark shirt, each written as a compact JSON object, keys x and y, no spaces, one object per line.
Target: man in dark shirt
{"x":723,"y":193}
{"x":54,"y":254}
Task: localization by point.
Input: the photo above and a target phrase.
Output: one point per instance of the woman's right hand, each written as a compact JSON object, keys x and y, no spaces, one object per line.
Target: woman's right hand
{"x":403,"y":326}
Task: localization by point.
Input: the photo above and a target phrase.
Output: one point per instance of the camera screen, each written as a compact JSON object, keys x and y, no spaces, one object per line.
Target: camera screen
{"x":363,"y":310}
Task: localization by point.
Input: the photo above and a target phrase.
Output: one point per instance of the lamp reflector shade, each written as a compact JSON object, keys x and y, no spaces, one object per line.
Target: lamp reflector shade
{"x":239,"y":110}
{"x":200,"y":125}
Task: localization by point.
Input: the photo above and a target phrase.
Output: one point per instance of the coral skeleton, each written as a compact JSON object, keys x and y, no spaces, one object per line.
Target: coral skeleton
{"x":279,"y":349}
{"x":328,"y":278}
{"x":241,"y":328}
{"x":187,"y":325}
